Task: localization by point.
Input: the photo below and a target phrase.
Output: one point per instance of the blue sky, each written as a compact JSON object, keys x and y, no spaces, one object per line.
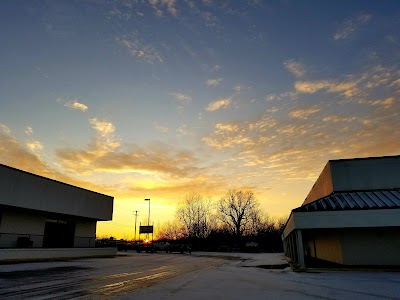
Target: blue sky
{"x":159,"y":98}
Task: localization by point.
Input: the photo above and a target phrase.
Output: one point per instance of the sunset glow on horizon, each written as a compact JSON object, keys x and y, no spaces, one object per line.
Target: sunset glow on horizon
{"x":159,"y":99}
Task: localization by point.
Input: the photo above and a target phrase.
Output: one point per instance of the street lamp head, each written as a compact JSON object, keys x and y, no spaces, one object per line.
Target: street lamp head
{"x":146,"y":199}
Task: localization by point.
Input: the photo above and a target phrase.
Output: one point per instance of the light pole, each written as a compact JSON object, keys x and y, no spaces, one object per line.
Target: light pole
{"x":148,"y":220}
{"x":135,"y":223}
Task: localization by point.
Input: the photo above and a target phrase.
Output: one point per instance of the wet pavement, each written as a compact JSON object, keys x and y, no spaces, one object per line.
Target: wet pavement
{"x":103,"y":278}
{"x":184,"y":276}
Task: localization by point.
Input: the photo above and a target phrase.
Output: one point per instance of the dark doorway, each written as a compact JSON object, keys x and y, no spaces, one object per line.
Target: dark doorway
{"x":58,"y":234}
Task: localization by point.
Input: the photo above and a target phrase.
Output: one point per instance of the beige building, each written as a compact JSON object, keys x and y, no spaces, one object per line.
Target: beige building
{"x":38,"y":214}
{"x":350,"y":217}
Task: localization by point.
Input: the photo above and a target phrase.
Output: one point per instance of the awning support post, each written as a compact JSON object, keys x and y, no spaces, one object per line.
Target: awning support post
{"x":300,"y":250}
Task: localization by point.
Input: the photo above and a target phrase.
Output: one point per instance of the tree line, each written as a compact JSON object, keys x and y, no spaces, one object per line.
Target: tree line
{"x":233,"y":223}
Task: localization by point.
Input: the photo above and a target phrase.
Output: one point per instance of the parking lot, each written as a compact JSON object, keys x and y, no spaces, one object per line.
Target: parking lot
{"x":183,"y":276}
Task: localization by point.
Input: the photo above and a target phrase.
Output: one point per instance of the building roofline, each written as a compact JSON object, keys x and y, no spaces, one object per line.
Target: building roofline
{"x":364,"y":158}
{"x":53,"y":180}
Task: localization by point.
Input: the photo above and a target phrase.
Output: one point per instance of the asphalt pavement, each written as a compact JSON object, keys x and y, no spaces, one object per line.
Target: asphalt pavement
{"x":201,"y":275}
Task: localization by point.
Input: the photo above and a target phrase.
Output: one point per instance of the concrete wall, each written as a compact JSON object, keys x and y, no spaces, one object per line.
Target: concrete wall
{"x":15,"y":255}
{"x":355,"y":246}
{"x":22,"y":189}
{"x":371,"y":246}
{"x":322,"y":187}
{"x":22,"y":223}
{"x":329,"y":248}
{"x":323,"y":244}
{"x":83,"y":231}
{"x":366,"y":174}
{"x":356,"y":175}
{"x":14,"y":224}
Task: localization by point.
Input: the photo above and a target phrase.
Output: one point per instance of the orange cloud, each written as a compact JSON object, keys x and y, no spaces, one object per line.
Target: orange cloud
{"x":347,"y":89}
{"x":304,"y":113}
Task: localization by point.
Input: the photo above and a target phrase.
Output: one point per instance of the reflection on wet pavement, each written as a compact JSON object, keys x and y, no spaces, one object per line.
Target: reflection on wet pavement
{"x":99,"y":278}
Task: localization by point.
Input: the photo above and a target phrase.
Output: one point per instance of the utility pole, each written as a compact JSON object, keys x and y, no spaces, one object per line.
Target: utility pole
{"x":148,"y":220}
{"x":136,"y":211}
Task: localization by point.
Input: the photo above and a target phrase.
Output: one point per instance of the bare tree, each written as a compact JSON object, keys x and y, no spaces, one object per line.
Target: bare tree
{"x":258,"y":221}
{"x":195,"y":214}
{"x":238,"y":209}
{"x":171,"y":231}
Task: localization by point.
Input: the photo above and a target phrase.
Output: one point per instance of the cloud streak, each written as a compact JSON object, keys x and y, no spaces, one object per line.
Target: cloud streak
{"x":139,"y":49}
{"x":219,"y":104}
{"x":182,"y":98}
{"x":350,"y":26}
{"x":295,"y":67}
{"x":160,"y":6}
{"x":29,"y":130}
{"x":213,"y":82}
{"x":75,"y":104}
{"x":310,"y":87}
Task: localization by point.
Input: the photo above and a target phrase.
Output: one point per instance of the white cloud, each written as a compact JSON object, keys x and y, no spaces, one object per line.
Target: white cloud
{"x":104,"y":128}
{"x":75,"y":104}
{"x":216,"y":68}
{"x":218,"y":104}
{"x":213,"y":82}
{"x":4,"y":129}
{"x":281,"y":96}
{"x":106,"y":141}
{"x":295,"y":67}
{"x":350,"y":26}
{"x":395,"y":83}
{"x":183,"y":130}
{"x":238,"y":88}
{"x":209,"y":19}
{"x":159,"y":5}
{"x":139,"y":49}
{"x":34,"y":146}
{"x":162,"y":129}
{"x":28,"y":130}
{"x":182,"y":98}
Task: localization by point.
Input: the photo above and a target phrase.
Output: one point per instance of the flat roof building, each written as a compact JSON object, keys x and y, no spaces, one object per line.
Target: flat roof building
{"x":350,"y":217}
{"x":38,"y":212}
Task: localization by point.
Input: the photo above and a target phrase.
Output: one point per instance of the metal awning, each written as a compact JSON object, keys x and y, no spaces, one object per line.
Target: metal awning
{"x":354,"y":200}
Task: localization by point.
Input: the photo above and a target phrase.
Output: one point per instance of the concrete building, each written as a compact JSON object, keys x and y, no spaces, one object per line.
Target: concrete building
{"x":350,"y":217}
{"x":44,"y":218}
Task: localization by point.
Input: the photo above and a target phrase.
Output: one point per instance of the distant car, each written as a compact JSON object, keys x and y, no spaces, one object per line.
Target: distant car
{"x":181,"y":248}
{"x":147,"y":247}
{"x":161,"y":246}
{"x":124,"y":245}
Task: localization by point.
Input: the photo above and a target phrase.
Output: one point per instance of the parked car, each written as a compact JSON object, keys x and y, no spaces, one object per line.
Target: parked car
{"x":147,"y":247}
{"x":161,"y":246}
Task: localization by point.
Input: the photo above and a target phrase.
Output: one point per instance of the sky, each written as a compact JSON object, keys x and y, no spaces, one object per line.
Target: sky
{"x":162,"y":98}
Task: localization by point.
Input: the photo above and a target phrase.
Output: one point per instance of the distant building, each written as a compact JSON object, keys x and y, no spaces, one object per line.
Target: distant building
{"x":38,"y":213}
{"x":351,"y":216}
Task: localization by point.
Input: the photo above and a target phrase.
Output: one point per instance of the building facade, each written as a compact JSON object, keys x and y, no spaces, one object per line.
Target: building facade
{"x":350,"y":217}
{"x":38,"y":212}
